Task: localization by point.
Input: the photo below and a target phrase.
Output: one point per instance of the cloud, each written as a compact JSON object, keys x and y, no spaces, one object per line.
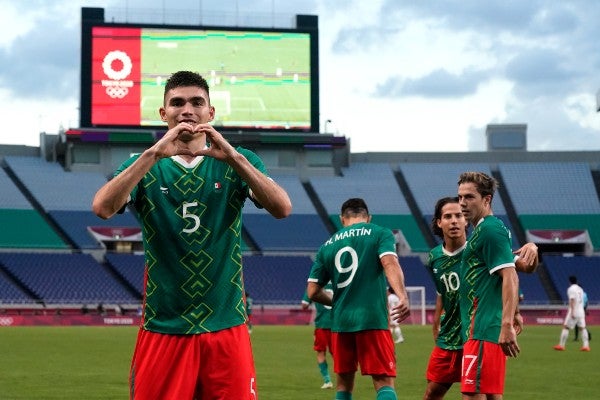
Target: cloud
{"x":541,"y":71}
{"x":44,"y":61}
{"x":437,"y":84}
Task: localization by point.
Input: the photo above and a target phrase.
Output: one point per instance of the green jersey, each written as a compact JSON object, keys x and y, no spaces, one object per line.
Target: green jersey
{"x":191,"y":216}
{"x":488,"y":250}
{"x":322,"y":312}
{"x":444,"y":268}
{"x":350,"y":259}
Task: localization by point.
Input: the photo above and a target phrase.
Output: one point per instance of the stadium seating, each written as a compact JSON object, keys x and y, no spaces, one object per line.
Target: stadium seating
{"x":302,"y":231}
{"x":65,"y":278}
{"x":428,"y":182}
{"x":11,"y":293}
{"x":533,"y":290}
{"x":66,"y":197}
{"x":415,"y":274}
{"x":584,"y":268}
{"x":383,"y":196}
{"x":554,"y":195}
{"x":46,"y":215}
{"x":22,"y":225}
{"x":276,"y":279}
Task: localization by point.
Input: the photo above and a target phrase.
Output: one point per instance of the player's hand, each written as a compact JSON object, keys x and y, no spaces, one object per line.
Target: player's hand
{"x":518,"y":323}
{"x":170,"y":145}
{"x":528,"y":253}
{"x":400,"y":312}
{"x":508,"y":340}
{"x":219,"y":147}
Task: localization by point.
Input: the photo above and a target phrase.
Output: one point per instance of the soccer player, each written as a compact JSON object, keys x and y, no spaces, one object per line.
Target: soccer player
{"x":444,"y":264}
{"x":575,"y":316}
{"x":393,"y":302}
{"x":357,"y":260}
{"x":488,"y":292}
{"x":322,"y":336}
{"x":188,"y":190}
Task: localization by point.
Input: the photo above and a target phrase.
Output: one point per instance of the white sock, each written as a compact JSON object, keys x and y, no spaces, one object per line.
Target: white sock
{"x":563,"y":337}
{"x":585,"y":339}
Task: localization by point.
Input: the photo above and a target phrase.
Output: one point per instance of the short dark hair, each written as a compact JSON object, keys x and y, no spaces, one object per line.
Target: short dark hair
{"x":573,"y":279}
{"x":186,"y":78}
{"x":354,"y":206}
{"x":486,"y":185}
{"x":438,"y":214}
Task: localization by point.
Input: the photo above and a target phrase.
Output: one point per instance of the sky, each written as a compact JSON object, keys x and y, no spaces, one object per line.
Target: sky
{"x":395,"y":75}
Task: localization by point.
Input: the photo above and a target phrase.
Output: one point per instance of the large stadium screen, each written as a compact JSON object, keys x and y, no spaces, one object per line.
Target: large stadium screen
{"x":259,"y":80}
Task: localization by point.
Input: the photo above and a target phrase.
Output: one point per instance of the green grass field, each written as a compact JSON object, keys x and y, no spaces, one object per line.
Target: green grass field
{"x":93,"y":363}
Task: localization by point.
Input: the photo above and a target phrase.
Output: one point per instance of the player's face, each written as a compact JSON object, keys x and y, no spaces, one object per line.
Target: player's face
{"x":472,"y":204}
{"x":188,"y":104}
{"x":452,"y":222}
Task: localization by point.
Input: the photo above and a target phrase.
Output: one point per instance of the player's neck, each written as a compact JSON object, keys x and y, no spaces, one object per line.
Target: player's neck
{"x":453,"y":244}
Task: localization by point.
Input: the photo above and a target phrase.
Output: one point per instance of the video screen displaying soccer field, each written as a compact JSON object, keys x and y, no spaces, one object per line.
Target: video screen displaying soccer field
{"x":257,"y":79}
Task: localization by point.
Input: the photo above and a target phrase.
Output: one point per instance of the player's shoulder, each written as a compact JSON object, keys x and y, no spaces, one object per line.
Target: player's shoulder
{"x":249,"y":154}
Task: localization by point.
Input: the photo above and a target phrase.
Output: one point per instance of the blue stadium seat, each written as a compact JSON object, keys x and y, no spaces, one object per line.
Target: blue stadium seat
{"x":53,"y":187}
{"x":541,"y":188}
{"x":532,"y":288}
{"x":129,"y":267}
{"x":415,"y":274}
{"x":586,"y":269}
{"x":276,"y":279}
{"x":302,"y":231}
{"x":65,"y":278}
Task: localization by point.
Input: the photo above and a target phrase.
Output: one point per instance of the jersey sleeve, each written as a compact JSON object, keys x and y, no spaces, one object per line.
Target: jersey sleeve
{"x":497,"y":251}
{"x":387,"y":243}
{"x":126,"y":164}
{"x":318,"y":272}
{"x":255,"y":160}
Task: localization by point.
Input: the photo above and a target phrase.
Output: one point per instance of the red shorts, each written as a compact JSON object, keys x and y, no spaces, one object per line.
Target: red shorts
{"x":444,"y":365}
{"x":373,"y":350}
{"x":483,"y":367}
{"x":322,"y":340}
{"x":214,"y":365}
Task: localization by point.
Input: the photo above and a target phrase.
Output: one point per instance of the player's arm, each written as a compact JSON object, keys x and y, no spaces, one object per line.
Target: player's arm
{"x":318,"y":294}
{"x":510,"y":293}
{"x":395,"y":278}
{"x":111,"y":197}
{"x":437,"y":316}
{"x":527,"y":258}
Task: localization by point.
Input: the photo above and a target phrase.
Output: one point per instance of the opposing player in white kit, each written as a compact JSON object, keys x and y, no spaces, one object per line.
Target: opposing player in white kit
{"x":575,"y":317}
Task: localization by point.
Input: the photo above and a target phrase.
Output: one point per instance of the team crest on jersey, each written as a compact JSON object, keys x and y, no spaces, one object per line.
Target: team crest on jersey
{"x":218,"y":186}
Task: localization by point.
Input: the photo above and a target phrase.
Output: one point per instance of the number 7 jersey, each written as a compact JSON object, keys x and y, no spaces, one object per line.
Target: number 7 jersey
{"x":351,"y":260}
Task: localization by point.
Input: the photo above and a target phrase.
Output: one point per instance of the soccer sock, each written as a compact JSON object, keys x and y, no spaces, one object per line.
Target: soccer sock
{"x":563,"y":337}
{"x":324,"y":371}
{"x":585,"y":339}
{"x":386,"y":393}
{"x":343,"y":396}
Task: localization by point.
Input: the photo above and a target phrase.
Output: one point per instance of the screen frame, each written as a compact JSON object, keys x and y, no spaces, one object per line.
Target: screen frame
{"x":94,"y":17}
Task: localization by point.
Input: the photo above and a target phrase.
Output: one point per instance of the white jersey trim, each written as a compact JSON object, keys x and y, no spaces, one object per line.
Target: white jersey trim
{"x":502,"y":266}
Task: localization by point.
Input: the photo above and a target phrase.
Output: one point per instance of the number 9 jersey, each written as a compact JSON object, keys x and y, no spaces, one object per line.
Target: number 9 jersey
{"x":351,"y":260}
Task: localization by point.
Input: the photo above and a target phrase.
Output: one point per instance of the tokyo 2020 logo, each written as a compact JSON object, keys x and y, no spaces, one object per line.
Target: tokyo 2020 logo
{"x":117,"y":87}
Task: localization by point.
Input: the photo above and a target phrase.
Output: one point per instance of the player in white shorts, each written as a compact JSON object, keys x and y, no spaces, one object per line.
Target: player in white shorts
{"x":575,"y":317}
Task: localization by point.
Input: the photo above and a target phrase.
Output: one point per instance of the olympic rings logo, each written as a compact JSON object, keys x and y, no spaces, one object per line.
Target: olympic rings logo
{"x":116,"y":92}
